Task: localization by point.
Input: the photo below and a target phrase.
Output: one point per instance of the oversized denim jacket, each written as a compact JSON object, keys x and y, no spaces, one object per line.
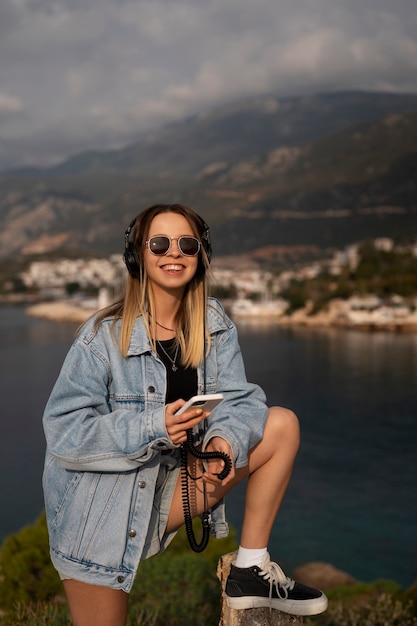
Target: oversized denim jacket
{"x":105,"y":430}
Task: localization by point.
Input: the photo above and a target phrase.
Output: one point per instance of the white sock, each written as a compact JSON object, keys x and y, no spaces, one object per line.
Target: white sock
{"x":246,"y":557}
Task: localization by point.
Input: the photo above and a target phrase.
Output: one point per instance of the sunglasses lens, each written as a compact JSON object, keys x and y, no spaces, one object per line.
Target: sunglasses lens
{"x":159,"y":245}
{"x":189,"y":246}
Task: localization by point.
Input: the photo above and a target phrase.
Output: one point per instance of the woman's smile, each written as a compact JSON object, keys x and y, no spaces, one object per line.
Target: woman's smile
{"x":173,"y":268}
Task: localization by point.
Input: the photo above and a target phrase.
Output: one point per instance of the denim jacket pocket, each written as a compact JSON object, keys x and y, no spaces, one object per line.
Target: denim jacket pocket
{"x":81,"y":531}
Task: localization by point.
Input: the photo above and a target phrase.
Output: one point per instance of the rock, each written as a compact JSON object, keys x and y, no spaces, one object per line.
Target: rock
{"x":60,"y":311}
{"x":322,"y":576}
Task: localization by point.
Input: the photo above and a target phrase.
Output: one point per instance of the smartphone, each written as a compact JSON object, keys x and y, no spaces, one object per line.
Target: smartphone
{"x":206,"y":402}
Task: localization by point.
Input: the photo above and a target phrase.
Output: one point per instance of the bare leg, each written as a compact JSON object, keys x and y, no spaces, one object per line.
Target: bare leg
{"x":269,"y":470}
{"x":93,"y":605}
{"x":273,"y":461}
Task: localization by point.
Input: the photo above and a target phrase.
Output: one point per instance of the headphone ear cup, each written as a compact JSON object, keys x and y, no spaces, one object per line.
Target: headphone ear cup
{"x":205,"y":240}
{"x":132,"y":261}
{"x":130,"y":255}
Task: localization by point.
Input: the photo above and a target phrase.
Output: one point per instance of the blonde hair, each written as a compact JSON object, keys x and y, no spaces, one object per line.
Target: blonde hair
{"x":138,"y":299}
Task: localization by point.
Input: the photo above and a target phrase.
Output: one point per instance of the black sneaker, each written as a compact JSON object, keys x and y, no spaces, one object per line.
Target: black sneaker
{"x":268,"y":586}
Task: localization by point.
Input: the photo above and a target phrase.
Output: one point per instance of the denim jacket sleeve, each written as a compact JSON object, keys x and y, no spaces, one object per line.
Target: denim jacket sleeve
{"x":102,"y":415}
{"x":241,"y":418}
{"x":107,"y":413}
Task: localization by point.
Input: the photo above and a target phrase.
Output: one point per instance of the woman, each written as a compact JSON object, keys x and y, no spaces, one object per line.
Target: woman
{"x":112,"y":473}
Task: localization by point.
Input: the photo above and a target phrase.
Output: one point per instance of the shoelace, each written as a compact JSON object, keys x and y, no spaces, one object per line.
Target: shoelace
{"x":272,"y":572}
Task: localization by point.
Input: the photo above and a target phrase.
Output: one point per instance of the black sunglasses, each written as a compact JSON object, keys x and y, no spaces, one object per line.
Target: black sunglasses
{"x":161,"y":244}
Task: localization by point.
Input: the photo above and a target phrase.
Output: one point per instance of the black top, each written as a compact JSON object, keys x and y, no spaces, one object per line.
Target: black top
{"x":181,"y":383}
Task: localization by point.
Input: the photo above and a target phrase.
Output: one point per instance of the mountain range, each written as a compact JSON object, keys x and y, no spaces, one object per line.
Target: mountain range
{"x":271,"y":176}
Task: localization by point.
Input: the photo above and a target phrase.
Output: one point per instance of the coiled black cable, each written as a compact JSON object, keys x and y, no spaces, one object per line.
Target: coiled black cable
{"x":188,"y":446}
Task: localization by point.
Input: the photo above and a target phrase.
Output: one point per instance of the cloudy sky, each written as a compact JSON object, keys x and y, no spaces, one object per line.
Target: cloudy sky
{"x":81,"y":74}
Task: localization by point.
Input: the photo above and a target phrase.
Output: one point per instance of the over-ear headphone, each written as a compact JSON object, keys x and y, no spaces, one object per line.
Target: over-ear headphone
{"x":130,"y":255}
{"x":205,"y":238}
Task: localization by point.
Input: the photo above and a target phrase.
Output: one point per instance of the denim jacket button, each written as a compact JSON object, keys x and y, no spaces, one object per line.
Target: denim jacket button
{"x":132,"y":533}
{"x":120,"y":579}
{"x":141,"y":484}
{"x":151,"y":389}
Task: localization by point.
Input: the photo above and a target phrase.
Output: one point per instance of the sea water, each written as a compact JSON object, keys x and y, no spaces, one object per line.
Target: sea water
{"x":352,"y":498}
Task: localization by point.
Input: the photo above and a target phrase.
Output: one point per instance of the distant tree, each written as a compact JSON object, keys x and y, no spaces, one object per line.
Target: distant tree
{"x":386,"y":272}
{"x":224,"y":292}
{"x":296,"y":295}
{"x":72,"y":288}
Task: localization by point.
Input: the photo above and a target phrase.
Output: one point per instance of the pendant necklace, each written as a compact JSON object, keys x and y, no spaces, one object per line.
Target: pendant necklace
{"x":172,"y":360}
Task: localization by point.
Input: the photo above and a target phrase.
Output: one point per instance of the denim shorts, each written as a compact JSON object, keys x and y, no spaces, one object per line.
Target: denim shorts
{"x":157,"y":540}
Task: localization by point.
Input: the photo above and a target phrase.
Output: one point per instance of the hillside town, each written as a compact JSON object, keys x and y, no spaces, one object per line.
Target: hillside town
{"x":72,"y":289}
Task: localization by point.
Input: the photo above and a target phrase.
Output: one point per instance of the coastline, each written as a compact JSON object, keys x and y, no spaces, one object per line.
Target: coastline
{"x":339,"y":315}
{"x":61,"y":311}
{"x":336,"y":315}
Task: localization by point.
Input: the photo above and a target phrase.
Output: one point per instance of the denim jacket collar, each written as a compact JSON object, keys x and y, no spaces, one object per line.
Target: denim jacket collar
{"x":139,"y":343}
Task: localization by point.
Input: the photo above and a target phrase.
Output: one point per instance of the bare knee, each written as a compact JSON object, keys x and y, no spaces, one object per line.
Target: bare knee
{"x":283,"y":425}
{"x":92,"y":605}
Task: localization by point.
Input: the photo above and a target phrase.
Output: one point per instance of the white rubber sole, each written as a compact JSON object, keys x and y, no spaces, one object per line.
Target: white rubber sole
{"x":293,"y":607}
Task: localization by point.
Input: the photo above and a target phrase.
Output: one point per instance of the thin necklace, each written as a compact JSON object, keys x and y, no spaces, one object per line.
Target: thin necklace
{"x":171,"y":330}
{"x":173,"y":361}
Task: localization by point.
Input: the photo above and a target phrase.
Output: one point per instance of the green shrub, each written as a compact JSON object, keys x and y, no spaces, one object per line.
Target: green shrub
{"x":37,"y":614}
{"x":179,"y":587}
{"x":383,"y":610}
{"x":411,"y":596}
{"x":172,"y":590}
{"x":26,"y":572}
{"x":363,"y":593}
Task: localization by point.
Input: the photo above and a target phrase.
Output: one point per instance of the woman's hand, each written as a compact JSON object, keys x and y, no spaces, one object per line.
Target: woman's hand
{"x":177,"y":425}
{"x":215,"y":466}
